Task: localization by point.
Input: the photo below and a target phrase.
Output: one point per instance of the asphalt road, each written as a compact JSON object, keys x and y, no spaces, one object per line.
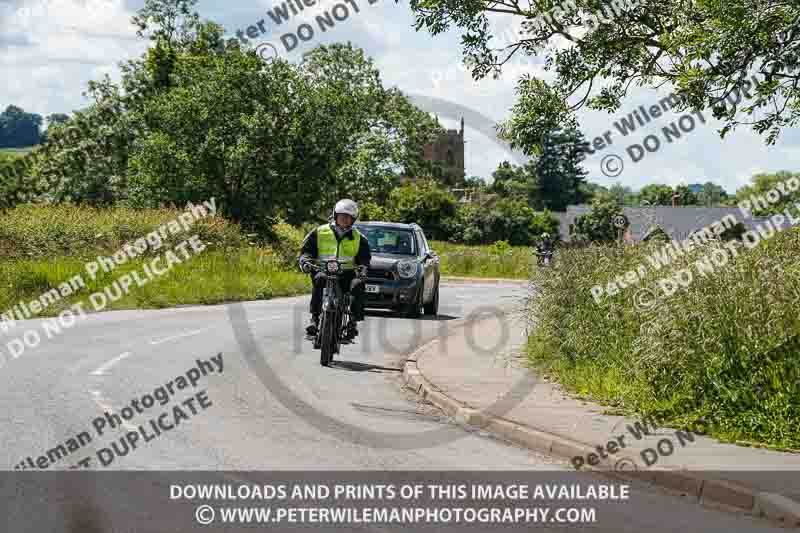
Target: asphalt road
{"x":277,"y":410}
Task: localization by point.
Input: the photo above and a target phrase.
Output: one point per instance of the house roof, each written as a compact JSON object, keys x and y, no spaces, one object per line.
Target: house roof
{"x":677,"y":222}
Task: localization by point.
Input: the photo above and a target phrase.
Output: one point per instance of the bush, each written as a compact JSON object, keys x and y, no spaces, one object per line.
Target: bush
{"x":597,"y":225}
{"x":287,"y":241}
{"x":509,"y":220}
{"x":372,"y":211}
{"x":712,"y":355}
{"x":425,"y":203}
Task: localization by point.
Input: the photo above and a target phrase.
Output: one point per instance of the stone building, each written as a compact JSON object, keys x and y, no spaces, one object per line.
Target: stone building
{"x":448,"y":151}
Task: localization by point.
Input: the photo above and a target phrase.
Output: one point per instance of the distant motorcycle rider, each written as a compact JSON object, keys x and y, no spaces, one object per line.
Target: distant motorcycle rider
{"x":545,"y":244}
{"x":544,"y":249}
{"x":337,"y":239}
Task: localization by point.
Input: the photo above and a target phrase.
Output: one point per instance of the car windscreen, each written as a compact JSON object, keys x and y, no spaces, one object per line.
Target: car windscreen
{"x":389,"y":240}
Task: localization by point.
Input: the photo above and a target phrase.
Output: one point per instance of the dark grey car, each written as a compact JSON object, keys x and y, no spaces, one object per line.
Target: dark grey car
{"x":404,"y":272}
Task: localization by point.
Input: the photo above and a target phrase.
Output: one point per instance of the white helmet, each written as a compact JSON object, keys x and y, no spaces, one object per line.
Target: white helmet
{"x":346,"y":207}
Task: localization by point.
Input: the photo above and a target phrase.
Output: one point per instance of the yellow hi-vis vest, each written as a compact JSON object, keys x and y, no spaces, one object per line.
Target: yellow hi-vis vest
{"x":329,"y":248}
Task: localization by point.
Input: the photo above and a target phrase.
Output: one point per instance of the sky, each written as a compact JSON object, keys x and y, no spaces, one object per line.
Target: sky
{"x":51,"y":49}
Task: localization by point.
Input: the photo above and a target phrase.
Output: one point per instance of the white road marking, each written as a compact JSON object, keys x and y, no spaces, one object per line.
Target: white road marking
{"x":276,"y":317}
{"x":175,"y":337}
{"x":99,"y":400}
{"x":102,"y":369}
{"x":105,"y":407}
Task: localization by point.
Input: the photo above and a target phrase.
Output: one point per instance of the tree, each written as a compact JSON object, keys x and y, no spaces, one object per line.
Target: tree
{"x":504,"y":173}
{"x":761,"y":184}
{"x":553,"y":180}
{"x":513,"y":221}
{"x":19,"y":129}
{"x":272,"y":150}
{"x":171,"y":22}
{"x":598,"y":224}
{"x":711,"y":195}
{"x":425,"y":203}
{"x":475,"y":182}
{"x":623,"y":195}
{"x":85,"y":158}
{"x":590,"y":191}
{"x":392,"y":145}
{"x":57,"y":118}
{"x":19,"y":182}
{"x":511,"y":181}
{"x":655,"y":194}
{"x":706,"y":50}
{"x":559,"y":176}
{"x":195,"y":118}
{"x":510,"y":220}
{"x":686,"y":196}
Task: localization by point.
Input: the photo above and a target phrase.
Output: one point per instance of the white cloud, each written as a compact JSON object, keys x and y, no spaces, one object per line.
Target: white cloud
{"x":50,"y":49}
{"x":66,"y":44}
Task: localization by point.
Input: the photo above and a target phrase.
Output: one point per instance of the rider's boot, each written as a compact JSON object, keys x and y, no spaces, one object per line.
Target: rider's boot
{"x":313,"y":325}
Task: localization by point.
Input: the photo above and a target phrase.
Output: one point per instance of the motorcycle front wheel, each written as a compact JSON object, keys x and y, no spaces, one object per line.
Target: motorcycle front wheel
{"x":328,"y":341}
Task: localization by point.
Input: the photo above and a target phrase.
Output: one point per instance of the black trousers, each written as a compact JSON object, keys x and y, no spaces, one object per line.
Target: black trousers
{"x":348,"y":283}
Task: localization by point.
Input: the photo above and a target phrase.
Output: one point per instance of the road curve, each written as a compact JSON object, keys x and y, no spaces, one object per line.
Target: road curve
{"x":56,"y":391}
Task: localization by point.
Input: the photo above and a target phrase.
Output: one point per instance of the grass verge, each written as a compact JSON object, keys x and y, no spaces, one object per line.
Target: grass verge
{"x":42,"y":247}
{"x":720,"y":355}
{"x":493,"y":261}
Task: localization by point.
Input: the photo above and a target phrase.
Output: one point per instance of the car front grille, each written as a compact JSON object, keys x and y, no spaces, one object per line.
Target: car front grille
{"x":380,"y":274}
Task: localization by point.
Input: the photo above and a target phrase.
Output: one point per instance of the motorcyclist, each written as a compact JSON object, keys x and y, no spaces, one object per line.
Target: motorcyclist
{"x":545,"y":245}
{"x":337,"y":239}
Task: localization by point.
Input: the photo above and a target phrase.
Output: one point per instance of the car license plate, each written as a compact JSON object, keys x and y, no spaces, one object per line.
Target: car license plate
{"x":373,"y":288}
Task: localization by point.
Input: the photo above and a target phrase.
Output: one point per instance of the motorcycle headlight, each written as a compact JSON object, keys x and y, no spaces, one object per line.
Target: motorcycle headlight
{"x":407,"y":269}
{"x":332,"y":267}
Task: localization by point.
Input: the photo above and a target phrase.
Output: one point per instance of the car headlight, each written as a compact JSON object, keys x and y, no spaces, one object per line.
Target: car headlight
{"x":332,"y":267}
{"x":407,"y":269}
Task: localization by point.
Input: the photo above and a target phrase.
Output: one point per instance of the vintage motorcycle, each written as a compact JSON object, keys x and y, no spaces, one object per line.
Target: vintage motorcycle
{"x":545,"y":257}
{"x":335,"y":316}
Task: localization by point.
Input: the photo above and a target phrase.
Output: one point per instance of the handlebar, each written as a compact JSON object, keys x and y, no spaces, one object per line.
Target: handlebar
{"x":361,"y":271}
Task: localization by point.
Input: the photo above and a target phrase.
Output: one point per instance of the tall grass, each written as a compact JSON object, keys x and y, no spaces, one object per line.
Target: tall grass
{"x":42,"y":247}
{"x":64,"y":230}
{"x":720,"y":354}
{"x":489,"y":261}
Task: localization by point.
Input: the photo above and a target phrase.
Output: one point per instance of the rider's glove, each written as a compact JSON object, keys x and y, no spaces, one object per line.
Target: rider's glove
{"x":305,"y":266}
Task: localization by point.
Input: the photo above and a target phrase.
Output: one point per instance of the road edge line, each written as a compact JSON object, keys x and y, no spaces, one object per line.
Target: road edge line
{"x":457,"y":279}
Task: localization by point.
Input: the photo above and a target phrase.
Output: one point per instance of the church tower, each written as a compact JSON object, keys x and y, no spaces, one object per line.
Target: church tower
{"x":448,"y":152}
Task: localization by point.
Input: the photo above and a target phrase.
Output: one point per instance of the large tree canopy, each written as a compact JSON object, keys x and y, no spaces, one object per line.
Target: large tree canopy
{"x":195,"y":118}
{"x":706,"y":50}
{"x":19,"y":129}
